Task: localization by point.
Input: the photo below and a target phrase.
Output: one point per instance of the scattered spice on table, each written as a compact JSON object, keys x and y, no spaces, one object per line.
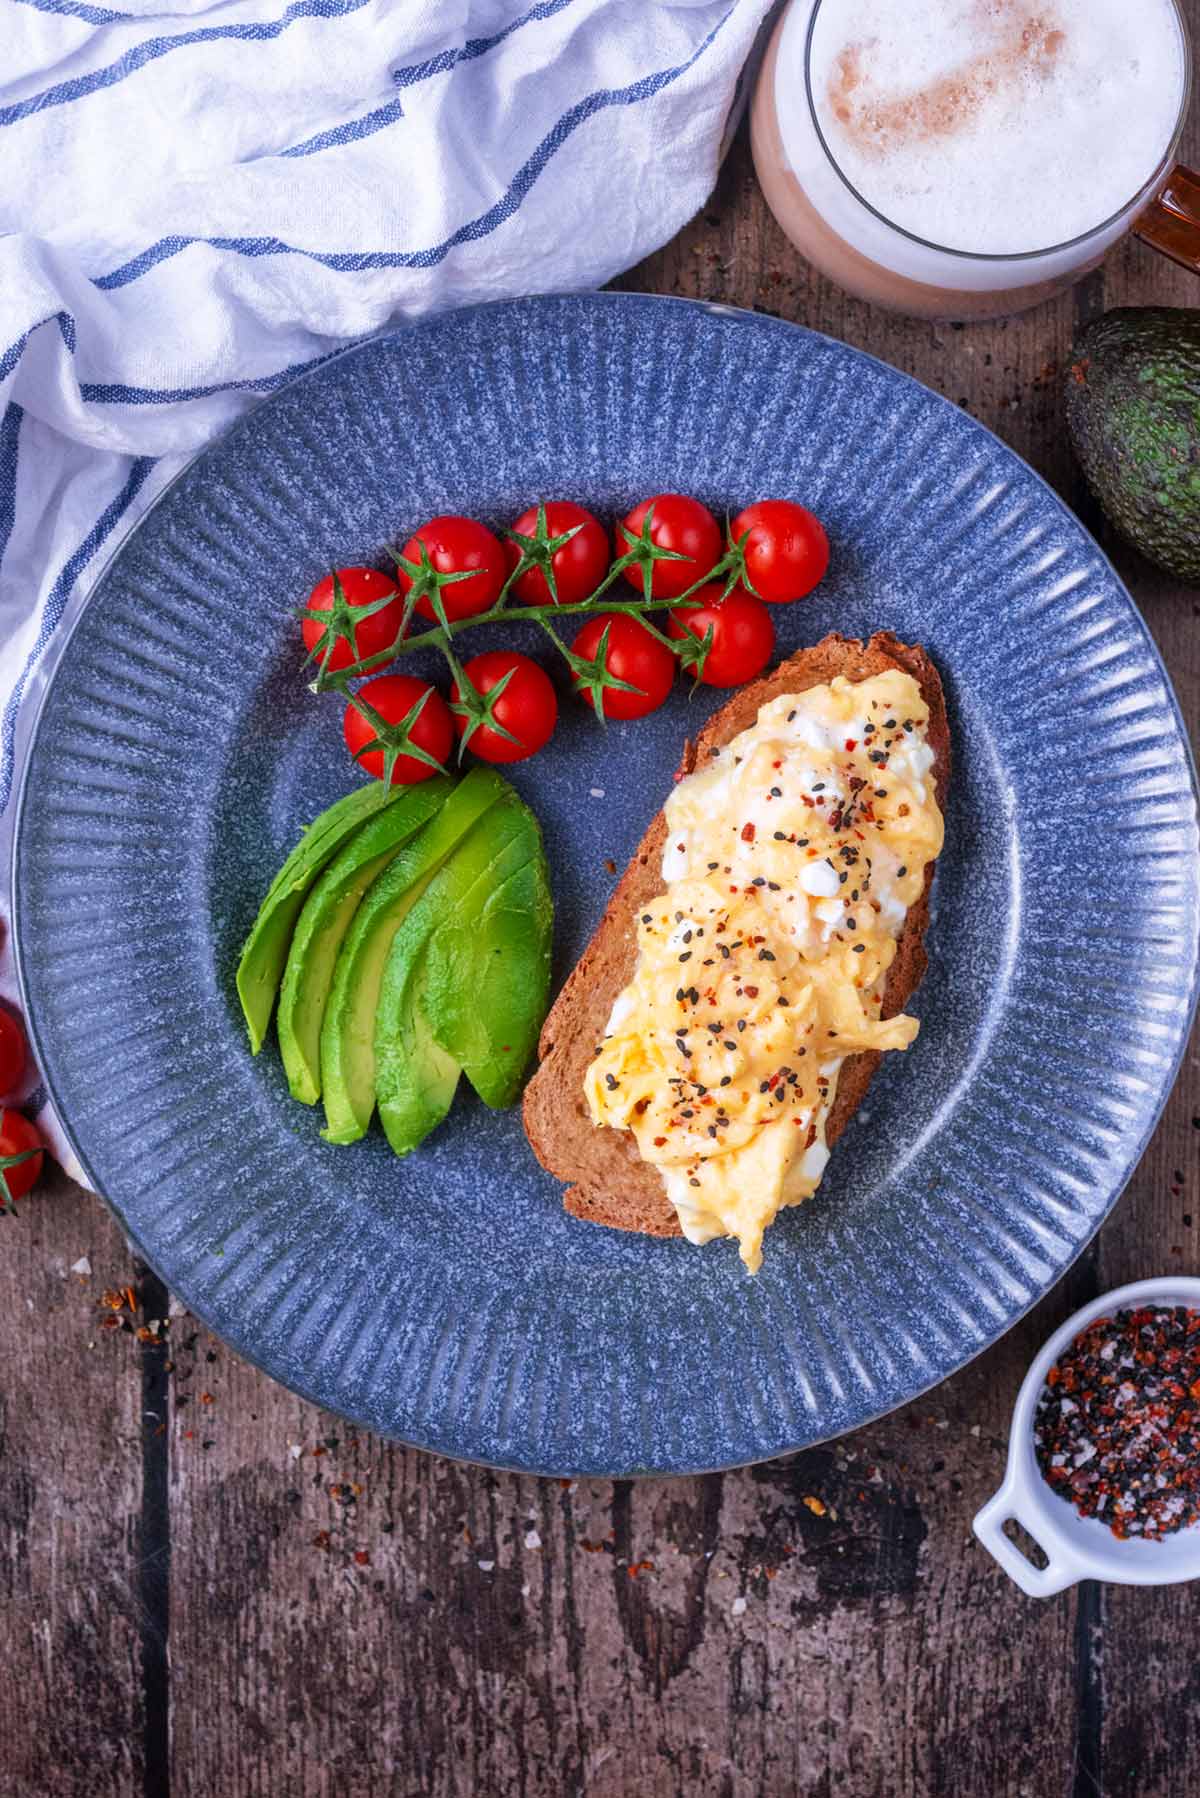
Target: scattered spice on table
{"x":1117,"y":1426}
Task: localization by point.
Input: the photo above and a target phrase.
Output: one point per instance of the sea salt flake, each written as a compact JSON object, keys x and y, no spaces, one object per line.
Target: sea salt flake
{"x":532,"y":1539}
{"x":737,"y":1607}
{"x":82,"y":1266}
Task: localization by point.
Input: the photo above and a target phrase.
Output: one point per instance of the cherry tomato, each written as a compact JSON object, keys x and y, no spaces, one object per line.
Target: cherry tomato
{"x":579,"y":566}
{"x":12,"y":1052}
{"x":527,"y":708}
{"x":743,"y":635}
{"x":632,"y":655}
{"x":457,"y":545}
{"x":17,"y":1135}
{"x":395,"y":697}
{"x":787,"y":551}
{"x":372,"y":634}
{"x":681,"y":524}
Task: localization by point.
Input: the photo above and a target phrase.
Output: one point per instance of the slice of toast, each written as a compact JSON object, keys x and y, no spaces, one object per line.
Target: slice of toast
{"x":610,"y":1183}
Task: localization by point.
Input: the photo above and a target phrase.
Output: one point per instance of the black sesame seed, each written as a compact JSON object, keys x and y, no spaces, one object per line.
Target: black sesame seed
{"x":780,"y":836}
{"x":783,"y":1001}
{"x":729,"y":1043}
{"x":765,"y":955}
{"x":901,"y":872}
{"x":776,"y":792}
{"x":686,"y":956}
{"x":859,"y":949}
{"x":741,"y":1024}
{"x":612,"y":1083}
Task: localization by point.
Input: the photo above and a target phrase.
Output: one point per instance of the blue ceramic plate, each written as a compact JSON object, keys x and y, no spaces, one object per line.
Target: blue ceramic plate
{"x":447,"y":1299}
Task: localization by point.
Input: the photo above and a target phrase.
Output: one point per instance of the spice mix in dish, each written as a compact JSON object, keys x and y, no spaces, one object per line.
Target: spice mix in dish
{"x":1117,"y":1425}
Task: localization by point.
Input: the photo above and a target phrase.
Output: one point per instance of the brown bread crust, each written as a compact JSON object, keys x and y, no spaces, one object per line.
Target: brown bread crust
{"x":610,"y":1183}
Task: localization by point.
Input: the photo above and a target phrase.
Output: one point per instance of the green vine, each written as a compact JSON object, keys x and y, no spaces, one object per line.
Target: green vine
{"x":536,"y":553}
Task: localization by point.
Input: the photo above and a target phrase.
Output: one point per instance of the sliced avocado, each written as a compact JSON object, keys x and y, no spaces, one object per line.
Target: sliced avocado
{"x":266,"y":947}
{"x":417,"y":1062}
{"x":1133,"y":410}
{"x":488,"y":978}
{"x":324,"y":921}
{"x":348,"y":1030}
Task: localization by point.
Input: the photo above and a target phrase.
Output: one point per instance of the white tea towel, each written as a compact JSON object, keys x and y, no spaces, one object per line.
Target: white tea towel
{"x":201,"y":201}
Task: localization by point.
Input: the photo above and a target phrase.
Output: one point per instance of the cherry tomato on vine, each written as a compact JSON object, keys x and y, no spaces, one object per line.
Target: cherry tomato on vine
{"x":678,"y":523}
{"x":526,"y":708}
{"x":372,"y":634}
{"x":743,"y":635}
{"x":787,"y":551}
{"x":579,"y":566}
{"x":17,"y":1136}
{"x":632,"y":654}
{"x":12,"y":1052}
{"x":456,"y":545}
{"x":395,"y":697}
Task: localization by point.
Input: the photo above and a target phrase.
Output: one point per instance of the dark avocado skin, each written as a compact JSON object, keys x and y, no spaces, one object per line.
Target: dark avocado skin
{"x":1133,"y":411}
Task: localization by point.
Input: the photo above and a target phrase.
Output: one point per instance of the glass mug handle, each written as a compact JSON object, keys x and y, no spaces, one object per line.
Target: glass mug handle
{"x":1171,"y":223}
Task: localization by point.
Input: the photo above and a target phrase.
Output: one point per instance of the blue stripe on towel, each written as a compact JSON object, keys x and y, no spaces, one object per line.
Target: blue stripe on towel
{"x":10,"y":431}
{"x":352,"y":262}
{"x":55,"y":605}
{"x":150,"y":49}
{"x":476,"y":46}
{"x":76,"y":9}
{"x":349,"y":131}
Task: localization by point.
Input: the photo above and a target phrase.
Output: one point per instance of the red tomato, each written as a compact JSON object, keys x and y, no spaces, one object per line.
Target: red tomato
{"x":632,"y":654}
{"x":396,"y":698}
{"x":17,"y":1135}
{"x":527,"y":707}
{"x":743,"y":635}
{"x":376,"y":632}
{"x":680,"y":524}
{"x":579,"y":566}
{"x":787,"y":551}
{"x":456,"y":546}
{"x":12,"y":1052}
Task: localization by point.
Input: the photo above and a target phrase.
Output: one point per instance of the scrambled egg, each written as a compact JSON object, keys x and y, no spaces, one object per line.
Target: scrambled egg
{"x":790,"y":863}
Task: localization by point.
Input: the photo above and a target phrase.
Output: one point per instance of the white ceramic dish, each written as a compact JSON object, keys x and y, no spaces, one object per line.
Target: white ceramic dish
{"x":1079,"y":1547}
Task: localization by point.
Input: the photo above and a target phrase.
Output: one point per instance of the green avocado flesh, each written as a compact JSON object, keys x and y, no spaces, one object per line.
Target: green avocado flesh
{"x":265,"y":952}
{"x":466,"y":978}
{"x":348,"y":1031}
{"x":1133,"y":410}
{"x":324,"y":921}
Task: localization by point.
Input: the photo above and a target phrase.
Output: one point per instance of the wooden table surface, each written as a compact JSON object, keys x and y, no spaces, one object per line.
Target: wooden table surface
{"x":210,"y":1589}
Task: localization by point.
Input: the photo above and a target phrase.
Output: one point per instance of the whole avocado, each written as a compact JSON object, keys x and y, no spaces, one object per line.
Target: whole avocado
{"x":1133,"y":411}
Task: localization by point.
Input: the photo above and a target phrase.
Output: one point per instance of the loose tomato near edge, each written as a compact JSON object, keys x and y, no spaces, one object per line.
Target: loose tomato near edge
{"x":456,"y":545}
{"x":12,"y":1053}
{"x":579,"y":566}
{"x":786,"y":552}
{"x":394,"y":697}
{"x":372,"y":634}
{"x":632,"y":654}
{"x":743,"y":634}
{"x":17,"y":1137}
{"x":680,"y":524}
{"x":527,"y":708}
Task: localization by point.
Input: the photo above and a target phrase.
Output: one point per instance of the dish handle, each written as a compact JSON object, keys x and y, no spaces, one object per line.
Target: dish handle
{"x":1062,"y":1569}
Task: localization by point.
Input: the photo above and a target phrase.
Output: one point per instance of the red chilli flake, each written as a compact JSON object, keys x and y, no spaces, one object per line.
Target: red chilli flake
{"x":1117,"y":1426}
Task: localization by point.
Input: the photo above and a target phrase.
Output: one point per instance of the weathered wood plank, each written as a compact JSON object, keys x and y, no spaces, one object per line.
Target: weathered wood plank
{"x":71,"y":1614}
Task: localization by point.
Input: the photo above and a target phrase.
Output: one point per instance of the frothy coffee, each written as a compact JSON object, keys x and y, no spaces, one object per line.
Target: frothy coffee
{"x":998,"y":127}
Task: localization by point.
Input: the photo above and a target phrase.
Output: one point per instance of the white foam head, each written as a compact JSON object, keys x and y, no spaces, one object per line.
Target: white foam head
{"x":999,"y":127}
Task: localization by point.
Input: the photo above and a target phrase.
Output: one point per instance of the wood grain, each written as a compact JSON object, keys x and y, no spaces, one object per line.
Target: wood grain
{"x":347,"y":1617}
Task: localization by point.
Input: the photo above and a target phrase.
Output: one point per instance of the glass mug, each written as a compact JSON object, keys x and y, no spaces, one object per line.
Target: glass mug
{"x":825,"y":126}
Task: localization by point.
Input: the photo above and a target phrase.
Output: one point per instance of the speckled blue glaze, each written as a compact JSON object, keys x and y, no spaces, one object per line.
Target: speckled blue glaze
{"x":447,"y":1299}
